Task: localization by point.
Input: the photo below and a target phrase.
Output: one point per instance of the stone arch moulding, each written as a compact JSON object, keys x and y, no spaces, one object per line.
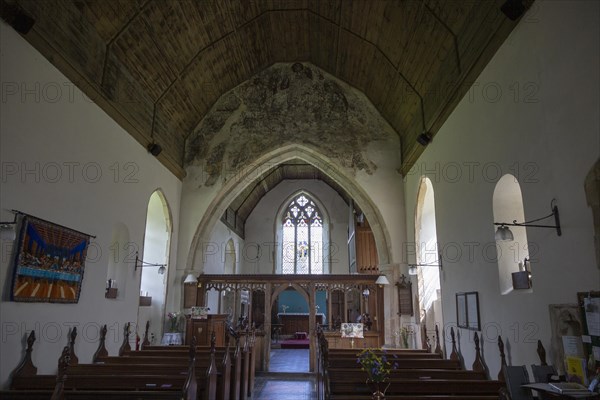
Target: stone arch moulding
{"x":166,"y":209}
{"x":232,"y":188}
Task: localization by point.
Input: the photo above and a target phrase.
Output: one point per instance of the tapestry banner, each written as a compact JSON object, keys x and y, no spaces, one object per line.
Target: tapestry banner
{"x":49,"y":262}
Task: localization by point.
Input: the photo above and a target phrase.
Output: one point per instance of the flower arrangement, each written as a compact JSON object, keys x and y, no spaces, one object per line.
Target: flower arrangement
{"x":174,"y":320}
{"x":376,"y":364}
{"x":404,"y":334}
{"x":284,"y":308}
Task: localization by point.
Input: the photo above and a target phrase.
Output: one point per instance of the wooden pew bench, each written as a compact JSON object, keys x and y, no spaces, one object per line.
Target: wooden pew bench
{"x":91,"y":394}
{"x":460,"y":389}
{"x":407,"y":363}
{"x":354,"y":374}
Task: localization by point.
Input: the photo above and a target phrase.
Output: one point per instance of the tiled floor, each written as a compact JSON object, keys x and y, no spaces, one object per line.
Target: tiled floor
{"x":289,"y":360}
{"x":285,"y":387}
{"x":288,"y":378}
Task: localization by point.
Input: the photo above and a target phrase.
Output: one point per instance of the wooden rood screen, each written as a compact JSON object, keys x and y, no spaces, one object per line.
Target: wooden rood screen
{"x":347,"y":290}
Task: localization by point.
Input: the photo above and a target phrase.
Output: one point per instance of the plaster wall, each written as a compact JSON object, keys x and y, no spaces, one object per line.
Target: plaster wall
{"x":259,"y":254}
{"x":66,"y":161}
{"x":533,"y":112}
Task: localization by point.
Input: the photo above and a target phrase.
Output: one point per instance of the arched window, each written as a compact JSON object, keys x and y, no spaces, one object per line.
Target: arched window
{"x":508,"y":206}
{"x":302,"y":243}
{"x":157,"y":241}
{"x":428,"y":274}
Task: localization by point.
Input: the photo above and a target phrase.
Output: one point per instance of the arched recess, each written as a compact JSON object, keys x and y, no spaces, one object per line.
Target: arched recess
{"x":232,"y":188}
{"x":229,"y":258}
{"x":157,"y":240}
{"x":428,"y":277}
{"x":229,"y":267}
{"x":279,"y":231}
{"x":507,"y":205}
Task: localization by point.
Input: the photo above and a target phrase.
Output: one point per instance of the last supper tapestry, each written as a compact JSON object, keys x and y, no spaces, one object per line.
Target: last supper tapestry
{"x":49,"y":262}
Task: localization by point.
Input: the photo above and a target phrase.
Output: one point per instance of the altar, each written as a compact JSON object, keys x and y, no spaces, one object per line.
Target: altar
{"x":297,"y":322}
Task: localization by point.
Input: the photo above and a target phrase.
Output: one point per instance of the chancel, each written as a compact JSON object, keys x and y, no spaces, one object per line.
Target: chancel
{"x":276,"y":186}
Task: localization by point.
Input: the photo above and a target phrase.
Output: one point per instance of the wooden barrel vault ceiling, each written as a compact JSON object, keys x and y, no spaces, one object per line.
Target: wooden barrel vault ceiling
{"x":157,"y":66}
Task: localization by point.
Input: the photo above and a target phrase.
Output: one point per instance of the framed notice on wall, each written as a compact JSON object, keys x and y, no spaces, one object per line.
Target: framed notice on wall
{"x":405,"y":306}
{"x":467,"y":311}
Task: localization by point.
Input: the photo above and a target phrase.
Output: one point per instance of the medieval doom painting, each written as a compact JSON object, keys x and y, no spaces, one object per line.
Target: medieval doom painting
{"x":49,"y":263}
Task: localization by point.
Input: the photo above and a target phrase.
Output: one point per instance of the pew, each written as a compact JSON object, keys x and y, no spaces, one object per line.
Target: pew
{"x":74,"y":380}
{"x":420,"y":375}
{"x":112,"y":387}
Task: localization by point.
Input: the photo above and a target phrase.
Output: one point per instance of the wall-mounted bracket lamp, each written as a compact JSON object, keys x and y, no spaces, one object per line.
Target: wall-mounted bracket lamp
{"x":139,"y":263}
{"x":382,"y":280}
{"x":412,"y":268}
{"x":504,"y":234}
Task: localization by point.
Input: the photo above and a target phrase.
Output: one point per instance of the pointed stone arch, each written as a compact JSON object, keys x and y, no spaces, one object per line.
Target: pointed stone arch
{"x":233,"y":187}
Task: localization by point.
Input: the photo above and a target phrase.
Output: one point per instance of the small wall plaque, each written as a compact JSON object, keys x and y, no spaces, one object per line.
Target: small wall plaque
{"x":405,"y":306}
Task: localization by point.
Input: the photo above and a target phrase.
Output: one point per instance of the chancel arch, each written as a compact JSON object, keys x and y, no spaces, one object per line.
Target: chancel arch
{"x":248,"y":176}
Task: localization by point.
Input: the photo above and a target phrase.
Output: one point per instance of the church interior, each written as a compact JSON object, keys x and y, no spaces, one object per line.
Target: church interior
{"x":300,"y":176}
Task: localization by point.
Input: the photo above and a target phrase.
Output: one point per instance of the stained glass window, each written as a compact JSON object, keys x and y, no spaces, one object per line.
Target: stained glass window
{"x":302,"y":237}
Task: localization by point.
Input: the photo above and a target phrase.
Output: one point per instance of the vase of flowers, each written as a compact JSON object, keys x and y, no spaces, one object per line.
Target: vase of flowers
{"x":376,"y":364}
{"x":404,"y":334}
{"x":174,"y":320}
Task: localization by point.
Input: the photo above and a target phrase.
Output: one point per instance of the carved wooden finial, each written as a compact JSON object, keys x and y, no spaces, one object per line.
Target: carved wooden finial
{"x":502,"y":359}
{"x":146,"y":342}
{"x":454,"y":355}
{"x":63,"y":363}
{"x":190,"y":387}
{"x":30,"y":341}
{"x":193,"y":348}
{"x":478,"y":363}
{"x":61,"y":375}
{"x":211,"y":372}
{"x":74,"y":360}
{"x":226,"y":370}
{"x":438,"y":348}
{"x":26,"y":367}
{"x":125,"y":346}
{"x":101,"y":351}
{"x":541,"y":353}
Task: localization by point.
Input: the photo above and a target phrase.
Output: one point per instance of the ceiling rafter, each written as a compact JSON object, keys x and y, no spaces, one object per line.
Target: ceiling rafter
{"x":386,"y":49}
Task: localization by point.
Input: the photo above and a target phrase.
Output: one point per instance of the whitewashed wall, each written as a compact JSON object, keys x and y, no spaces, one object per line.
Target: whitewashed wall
{"x":90,"y":175}
{"x":259,"y":256}
{"x":533,"y":112}
{"x":214,"y":258}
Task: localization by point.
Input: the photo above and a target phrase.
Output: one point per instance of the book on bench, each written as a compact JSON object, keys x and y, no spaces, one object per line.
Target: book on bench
{"x":569,"y":387}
